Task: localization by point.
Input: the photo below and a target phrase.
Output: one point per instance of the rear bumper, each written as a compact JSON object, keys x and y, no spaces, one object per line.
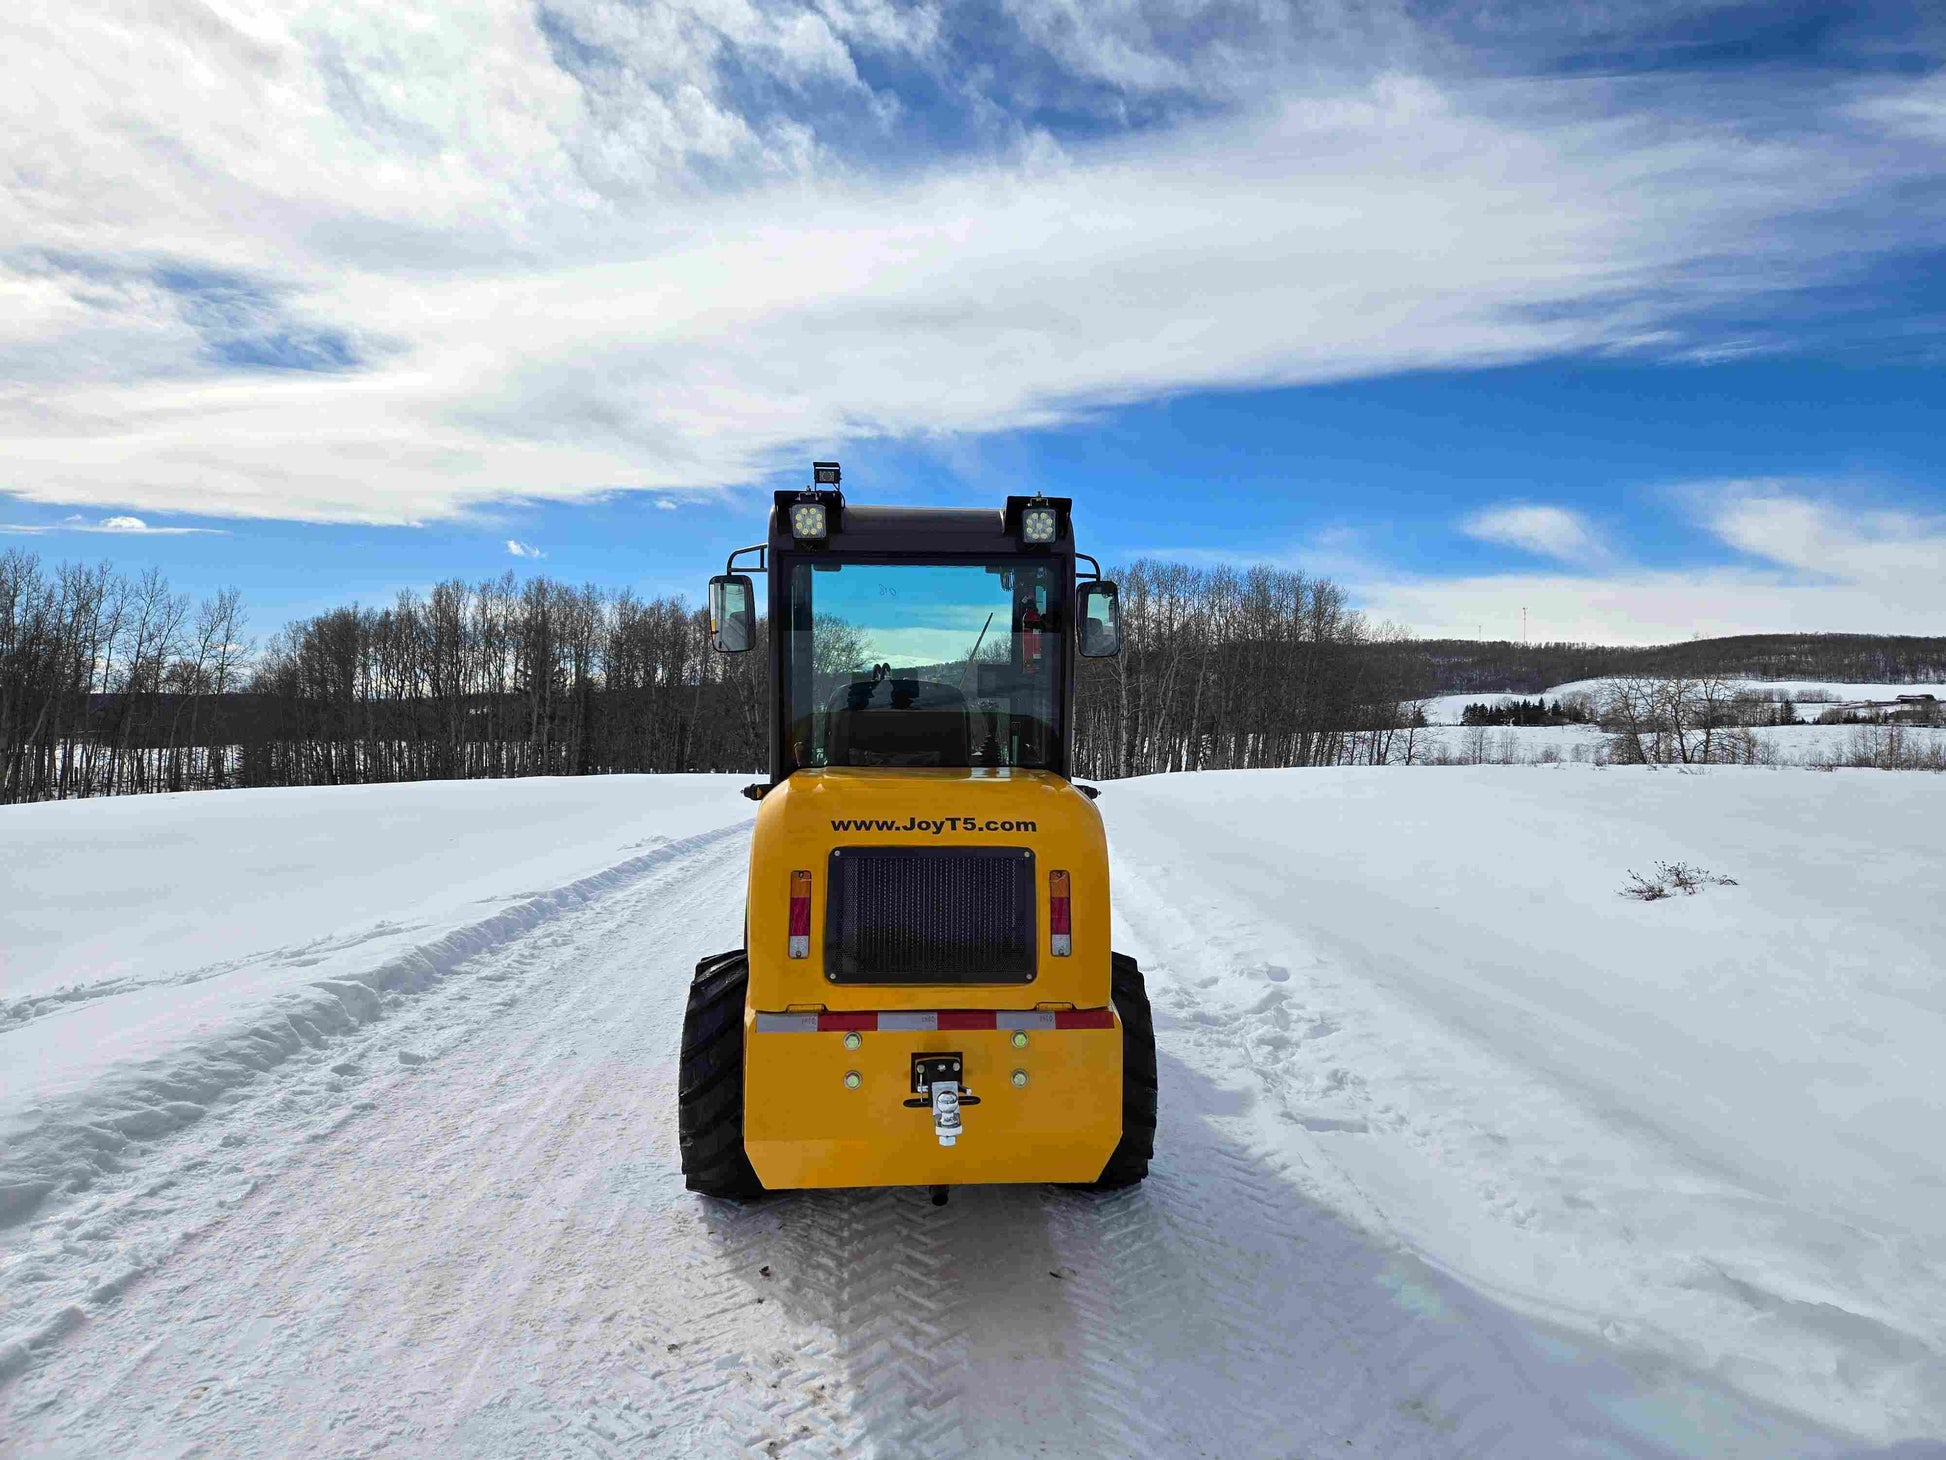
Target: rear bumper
{"x":803,"y":1127}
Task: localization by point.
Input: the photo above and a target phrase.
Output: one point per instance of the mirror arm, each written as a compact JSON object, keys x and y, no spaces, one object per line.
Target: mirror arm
{"x":1092,"y":563}
{"x":762,"y":550}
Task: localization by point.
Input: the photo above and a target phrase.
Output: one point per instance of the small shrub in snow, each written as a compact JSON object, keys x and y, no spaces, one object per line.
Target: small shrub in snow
{"x":1643,"y":890}
{"x":1671,"y":878}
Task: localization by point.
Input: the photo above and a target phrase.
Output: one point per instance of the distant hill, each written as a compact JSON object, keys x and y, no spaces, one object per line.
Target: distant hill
{"x":1460,"y":666}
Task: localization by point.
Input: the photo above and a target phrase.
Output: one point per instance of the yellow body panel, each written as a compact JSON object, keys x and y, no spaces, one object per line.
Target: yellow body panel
{"x":802,"y":1126}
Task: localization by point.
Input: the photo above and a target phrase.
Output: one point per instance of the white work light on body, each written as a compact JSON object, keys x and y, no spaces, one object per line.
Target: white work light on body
{"x":809,"y":521}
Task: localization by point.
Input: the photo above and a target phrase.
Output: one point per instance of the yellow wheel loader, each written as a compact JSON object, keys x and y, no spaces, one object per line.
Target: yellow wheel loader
{"x":926,"y":995}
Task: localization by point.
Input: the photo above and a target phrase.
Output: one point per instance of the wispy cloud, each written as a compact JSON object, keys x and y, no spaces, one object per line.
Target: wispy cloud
{"x":1549,"y":532}
{"x":121,"y":524}
{"x":523,"y":550}
{"x":302,"y":270}
{"x":1809,"y":563}
{"x":1900,"y":552}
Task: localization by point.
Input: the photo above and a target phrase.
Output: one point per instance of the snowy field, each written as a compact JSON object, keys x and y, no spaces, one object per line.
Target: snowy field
{"x":1815,"y":746}
{"x":343,"y":1122}
{"x":1804,"y":744}
{"x":1447,"y":709}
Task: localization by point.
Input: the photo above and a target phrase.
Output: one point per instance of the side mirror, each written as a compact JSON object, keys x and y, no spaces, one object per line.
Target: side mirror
{"x":1100,"y":618}
{"x":732,"y":613}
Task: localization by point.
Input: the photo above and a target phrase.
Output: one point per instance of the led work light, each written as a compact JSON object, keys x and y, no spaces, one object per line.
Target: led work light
{"x":1038,"y":524}
{"x":808,"y":521}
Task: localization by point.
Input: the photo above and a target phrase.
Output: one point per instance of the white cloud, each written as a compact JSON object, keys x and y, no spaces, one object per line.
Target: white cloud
{"x":1549,"y":532}
{"x":511,"y":277}
{"x":122,"y":524}
{"x":523,"y":550}
{"x":1899,"y":551}
{"x":1819,"y":567}
{"x":663,"y":504}
{"x":1916,"y":110}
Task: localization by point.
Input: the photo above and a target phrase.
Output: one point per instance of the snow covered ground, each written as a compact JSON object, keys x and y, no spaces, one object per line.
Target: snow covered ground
{"x":1816,"y":746}
{"x":1447,"y":709}
{"x":188,"y":942}
{"x":1790,"y":745}
{"x":1461,"y":1152}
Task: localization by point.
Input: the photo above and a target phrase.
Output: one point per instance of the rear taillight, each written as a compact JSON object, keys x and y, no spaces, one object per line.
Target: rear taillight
{"x":800,"y":914}
{"x":1060,"y":922}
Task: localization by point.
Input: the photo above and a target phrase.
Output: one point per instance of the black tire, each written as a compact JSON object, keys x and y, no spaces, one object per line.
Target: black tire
{"x":1130,"y":1163}
{"x":710,"y":1083}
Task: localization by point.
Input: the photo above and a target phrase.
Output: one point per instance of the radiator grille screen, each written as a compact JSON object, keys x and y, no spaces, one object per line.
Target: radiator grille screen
{"x":930,"y":915}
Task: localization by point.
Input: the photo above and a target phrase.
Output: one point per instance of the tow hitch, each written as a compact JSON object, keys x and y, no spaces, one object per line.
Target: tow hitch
{"x":936,"y":1086}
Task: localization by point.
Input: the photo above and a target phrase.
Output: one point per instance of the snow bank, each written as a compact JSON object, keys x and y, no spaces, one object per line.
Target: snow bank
{"x":159,"y":950}
{"x":1705,"y":1128}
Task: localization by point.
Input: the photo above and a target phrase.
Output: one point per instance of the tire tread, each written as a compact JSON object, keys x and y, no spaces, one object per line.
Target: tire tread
{"x":709,"y":1082}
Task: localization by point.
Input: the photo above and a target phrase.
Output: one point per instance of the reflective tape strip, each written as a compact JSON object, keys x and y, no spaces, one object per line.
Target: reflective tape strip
{"x":847,"y":1021}
{"x":966,"y":1019}
{"x":787,"y":1024}
{"x":1024,"y":1019}
{"x":935,"y":1020}
{"x":1084,"y":1019}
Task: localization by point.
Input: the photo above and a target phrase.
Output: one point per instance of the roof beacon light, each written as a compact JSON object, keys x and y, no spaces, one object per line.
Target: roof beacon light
{"x":1038,"y":523}
{"x":809,"y":521}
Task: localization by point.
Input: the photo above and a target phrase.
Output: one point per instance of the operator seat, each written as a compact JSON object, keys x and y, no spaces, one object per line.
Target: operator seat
{"x":898,"y":722}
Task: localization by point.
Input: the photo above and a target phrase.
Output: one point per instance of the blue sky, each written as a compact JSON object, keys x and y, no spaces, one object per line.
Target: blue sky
{"x":1625,"y":314}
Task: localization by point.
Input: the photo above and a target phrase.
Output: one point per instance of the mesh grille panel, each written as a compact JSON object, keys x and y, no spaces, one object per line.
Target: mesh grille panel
{"x":930,"y":915}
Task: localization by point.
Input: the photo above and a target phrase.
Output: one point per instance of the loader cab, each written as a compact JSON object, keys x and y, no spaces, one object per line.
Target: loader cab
{"x":916,"y":637}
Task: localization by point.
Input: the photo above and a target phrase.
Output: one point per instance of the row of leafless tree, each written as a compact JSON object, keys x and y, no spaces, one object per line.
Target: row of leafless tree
{"x":1679,"y":719}
{"x":1223,"y":669}
{"x":111,"y":684}
{"x":502,"y":679}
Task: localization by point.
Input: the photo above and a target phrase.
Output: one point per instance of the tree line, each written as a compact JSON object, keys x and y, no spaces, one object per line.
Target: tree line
{"x":500,"y":679}
{"x":1223,"y":669}
{"x":1466,"y":666}
{"x":111,"y":684}
{"x":1570,"y":711}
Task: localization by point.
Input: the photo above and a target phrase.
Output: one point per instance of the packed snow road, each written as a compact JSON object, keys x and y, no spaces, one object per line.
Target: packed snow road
{"x":456,"y":1226}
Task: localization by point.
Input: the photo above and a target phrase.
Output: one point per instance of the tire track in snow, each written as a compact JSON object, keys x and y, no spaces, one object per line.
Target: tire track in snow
{"x":1299,"y":1272}
{"x":77,"y":1141}
{"x":272,"y":1128}
{"x":870,"y":1268}
{"x":1279,"y":1284}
